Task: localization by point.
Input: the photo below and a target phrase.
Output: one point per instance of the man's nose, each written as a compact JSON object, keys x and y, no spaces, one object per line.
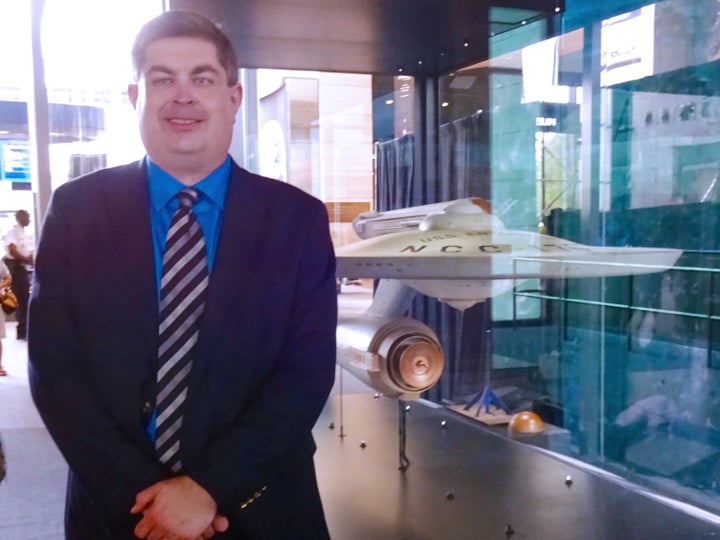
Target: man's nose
{"x":185,"y":93}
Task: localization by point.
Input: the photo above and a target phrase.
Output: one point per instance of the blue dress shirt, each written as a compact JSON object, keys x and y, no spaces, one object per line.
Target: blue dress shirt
{"x":208,"y":209}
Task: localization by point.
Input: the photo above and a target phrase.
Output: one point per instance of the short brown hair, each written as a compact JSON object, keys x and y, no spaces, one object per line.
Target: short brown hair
{"x":185,"y":24}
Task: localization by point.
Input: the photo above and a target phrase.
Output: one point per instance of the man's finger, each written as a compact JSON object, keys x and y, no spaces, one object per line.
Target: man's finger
{"x":141,"y":530}
{"x":220,"y":523}
{"x":144,"y":498}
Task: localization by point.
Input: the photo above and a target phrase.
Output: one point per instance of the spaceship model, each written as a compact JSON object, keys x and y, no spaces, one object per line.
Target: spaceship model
{"x":462,"y":254}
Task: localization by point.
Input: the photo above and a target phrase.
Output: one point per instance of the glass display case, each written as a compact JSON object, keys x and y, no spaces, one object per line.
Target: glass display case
{"x":606,"y":133}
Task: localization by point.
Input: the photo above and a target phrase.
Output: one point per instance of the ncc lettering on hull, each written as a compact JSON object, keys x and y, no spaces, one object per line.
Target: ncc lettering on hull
{"x":454,"y":248}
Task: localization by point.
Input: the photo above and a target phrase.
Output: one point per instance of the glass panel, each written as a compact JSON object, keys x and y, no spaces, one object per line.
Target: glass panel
{"x":86,"y":48}
{"x":314,"y":130}
{"x":86,"y":57}
{"x":14,"y":79}
{"x":608,"y":136}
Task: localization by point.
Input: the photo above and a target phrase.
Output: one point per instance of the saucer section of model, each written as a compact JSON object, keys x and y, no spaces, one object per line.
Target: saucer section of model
{"x":473,"y":254}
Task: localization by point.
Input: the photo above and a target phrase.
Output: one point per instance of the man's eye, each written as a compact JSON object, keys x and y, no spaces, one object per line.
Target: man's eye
{"x":203,"y":81}
{"x":162,"y":81}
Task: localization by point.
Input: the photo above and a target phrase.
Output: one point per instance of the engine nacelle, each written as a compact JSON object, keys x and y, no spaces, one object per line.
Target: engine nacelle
{"x":399,"y":357}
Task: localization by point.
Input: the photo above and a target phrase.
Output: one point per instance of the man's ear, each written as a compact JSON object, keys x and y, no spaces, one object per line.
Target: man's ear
{"x":237,"y":96}
{"x":133,"y":93}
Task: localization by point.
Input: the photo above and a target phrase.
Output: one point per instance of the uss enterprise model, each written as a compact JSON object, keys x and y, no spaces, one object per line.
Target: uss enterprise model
{"x":462,"y":254}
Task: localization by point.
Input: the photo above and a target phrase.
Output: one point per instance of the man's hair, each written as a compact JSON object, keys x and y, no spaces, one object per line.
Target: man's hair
{"x":172,"y":24}
{"x":21,"y":213}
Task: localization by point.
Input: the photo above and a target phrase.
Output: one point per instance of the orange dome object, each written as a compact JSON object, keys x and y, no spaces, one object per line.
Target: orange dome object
{"x":526,"y":422}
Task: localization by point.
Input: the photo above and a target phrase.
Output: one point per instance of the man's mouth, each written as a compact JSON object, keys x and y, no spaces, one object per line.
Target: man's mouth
{"x":183,"y":121}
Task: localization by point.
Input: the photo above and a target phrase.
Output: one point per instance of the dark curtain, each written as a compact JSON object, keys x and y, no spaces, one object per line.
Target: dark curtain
{"x":395,"y":168}
{"x":463,"y":165}
{"x":463,"y":159}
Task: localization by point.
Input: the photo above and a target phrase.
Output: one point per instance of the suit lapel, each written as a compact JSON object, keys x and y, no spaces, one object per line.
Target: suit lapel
{"x":127,"y":203}
{"x":234,"y":260}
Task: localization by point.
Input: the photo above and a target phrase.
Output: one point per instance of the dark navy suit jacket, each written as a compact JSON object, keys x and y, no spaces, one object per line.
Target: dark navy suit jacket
{"x":262,"y":373}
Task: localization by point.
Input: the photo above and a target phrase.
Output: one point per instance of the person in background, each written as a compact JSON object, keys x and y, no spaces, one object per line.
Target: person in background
{"x":19,"y":259}
{"x":5,"y":281}
{"x":3,"y":467}
{"x":182,"y":320}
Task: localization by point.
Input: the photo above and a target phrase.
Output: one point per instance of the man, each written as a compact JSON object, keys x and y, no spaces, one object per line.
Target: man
{"x":19,"y":259}
{"x":261,"y":355}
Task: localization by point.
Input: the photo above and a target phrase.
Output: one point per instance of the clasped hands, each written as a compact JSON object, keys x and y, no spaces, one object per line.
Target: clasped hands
{"x":177,"y":509}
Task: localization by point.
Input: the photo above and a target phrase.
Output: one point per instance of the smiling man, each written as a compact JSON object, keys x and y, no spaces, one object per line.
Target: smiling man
{"x":182,"y":320}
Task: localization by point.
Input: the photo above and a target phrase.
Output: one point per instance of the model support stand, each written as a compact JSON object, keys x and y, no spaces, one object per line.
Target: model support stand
{"x":402,"y":434}
{"x":342,"y":415}
{"x":487,"y":398}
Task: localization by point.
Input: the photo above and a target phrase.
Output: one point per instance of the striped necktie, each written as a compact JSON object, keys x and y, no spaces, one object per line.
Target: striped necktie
{"x":182,"y":287}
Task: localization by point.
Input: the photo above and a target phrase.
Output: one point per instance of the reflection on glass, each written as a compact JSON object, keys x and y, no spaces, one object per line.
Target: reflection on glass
{"x":86,"y":48}
{"x":609,"y":146}
{"x":314,"y":130}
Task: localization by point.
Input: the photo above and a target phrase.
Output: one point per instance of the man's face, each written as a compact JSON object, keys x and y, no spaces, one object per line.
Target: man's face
{"x":23,"y":219}
{"x":185,"y":107}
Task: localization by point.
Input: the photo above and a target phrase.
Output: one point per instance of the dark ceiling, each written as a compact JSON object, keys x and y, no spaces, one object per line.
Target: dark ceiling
{"x":366,"y":36}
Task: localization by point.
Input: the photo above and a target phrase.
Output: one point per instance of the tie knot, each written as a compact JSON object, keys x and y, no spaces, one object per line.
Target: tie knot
{"x":187,"y":197}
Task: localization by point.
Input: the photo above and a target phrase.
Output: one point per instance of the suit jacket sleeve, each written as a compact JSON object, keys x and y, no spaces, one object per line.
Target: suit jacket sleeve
{"x":275,"y":423}
{"x":105,"y":452}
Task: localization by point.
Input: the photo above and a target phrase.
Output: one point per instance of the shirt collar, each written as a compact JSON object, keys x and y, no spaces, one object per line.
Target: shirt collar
{"x":164,"y":186}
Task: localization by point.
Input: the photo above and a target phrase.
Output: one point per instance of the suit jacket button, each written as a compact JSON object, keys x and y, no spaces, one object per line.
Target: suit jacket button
{"x":147,"y":407}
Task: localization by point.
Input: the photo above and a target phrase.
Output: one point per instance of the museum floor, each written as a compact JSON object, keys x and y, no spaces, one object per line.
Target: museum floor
{"x":465,"y":482}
